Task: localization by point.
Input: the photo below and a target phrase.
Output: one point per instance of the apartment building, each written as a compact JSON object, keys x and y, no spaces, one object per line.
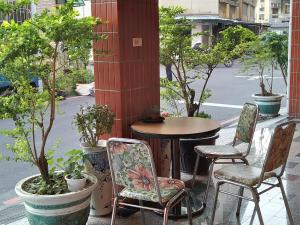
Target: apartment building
{"x":274,"y":13}
{"x":214,"y":15}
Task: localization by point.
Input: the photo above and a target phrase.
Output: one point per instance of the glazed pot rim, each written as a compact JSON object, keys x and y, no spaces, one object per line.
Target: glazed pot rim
{"x":38,"y":198}
{"x":270,"y":96}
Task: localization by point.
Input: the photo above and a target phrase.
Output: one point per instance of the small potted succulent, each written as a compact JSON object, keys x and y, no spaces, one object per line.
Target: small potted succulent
{"x":92,"y":122}
{"x":73,"y":167}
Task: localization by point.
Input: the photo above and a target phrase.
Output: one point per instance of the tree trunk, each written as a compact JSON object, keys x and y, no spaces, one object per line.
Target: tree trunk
{"x":43,"y":167}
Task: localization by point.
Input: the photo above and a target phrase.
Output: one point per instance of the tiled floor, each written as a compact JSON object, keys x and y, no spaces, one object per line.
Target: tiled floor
{"x":271,"y":203}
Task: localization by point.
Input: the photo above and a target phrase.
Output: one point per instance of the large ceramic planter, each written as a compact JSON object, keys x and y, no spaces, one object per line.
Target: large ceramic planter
{"x":188,"y":155}
{"x":99,"y":166}
{"x":269,"y":106}
{"x":69,"y":209}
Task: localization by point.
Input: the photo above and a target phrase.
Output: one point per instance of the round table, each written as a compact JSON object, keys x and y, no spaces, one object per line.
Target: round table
{"x":175,"y":128}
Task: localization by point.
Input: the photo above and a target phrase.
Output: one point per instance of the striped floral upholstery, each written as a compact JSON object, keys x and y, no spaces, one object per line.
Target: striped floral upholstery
{"x":245,"y":127}
{"x":133,"y":168}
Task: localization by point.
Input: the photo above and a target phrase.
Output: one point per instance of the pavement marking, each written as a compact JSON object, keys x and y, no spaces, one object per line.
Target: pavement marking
{"x":218,"y":105}
{"x":258,"y":77}
{"x":12,"y":201}
{"x":226,"y":123}
{"x":223,"y":105}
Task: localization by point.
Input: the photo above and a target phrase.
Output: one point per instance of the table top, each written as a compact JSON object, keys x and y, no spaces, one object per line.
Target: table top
{"x":177,"y":127}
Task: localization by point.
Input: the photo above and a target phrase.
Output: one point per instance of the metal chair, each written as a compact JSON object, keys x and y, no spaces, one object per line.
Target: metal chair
{"x":251,"y":178}
{"x":217,"y":153}
{"x":132,"y":167}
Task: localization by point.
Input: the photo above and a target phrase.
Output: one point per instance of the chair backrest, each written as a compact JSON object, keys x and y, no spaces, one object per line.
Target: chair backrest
{"x":246,"y":125}
{"x":279,"y":148}
{"x":132,"y":166}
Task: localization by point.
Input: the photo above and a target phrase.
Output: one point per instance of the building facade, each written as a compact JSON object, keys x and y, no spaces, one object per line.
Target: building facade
{"x":214,"y":15}
{"x":273,"y":13}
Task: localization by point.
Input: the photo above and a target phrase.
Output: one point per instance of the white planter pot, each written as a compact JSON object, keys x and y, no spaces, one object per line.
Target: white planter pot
{"x":98,"y":165}
{"x":75,"y":184}
{"x":68,"y":209}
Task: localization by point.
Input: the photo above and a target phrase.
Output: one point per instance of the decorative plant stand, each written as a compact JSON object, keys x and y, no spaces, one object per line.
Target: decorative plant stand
{"x":98,"y":165}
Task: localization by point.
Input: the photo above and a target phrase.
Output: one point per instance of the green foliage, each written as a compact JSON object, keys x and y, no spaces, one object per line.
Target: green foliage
{"x":68,"y":81}
{"x":92,"y":122}
{"x":57,"y":185}
{"x":6,"y":8}
{"x":235,"y":41}
{"x":278,"y":45}
{"x":72,"y":165}
{"x":45,"y":46}
{"x":267,"y":51}
{"x":176,"y":50}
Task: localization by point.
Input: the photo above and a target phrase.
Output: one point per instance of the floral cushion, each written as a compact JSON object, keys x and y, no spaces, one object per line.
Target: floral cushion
{"x":240,"y":173}
{"x":147,"y":192}
{"x":133,"y":168}
{"x":246,"y":124}
{"x":215,"y":151}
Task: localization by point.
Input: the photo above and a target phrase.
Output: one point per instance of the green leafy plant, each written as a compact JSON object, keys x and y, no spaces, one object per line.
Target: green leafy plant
{"x":92,"y":122}
{"x":33,"y":48}
{"x":188,"y":64}
{"x":278,"y":46}
{"x":72,"y":164}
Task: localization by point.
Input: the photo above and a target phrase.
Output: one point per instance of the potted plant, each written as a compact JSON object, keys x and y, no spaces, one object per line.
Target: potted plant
{"x":92,"y":122}
{"x":189,"y":65}
{"x":33,"y":48}
{"x":264,"y":58}
{"x":73,"y":166}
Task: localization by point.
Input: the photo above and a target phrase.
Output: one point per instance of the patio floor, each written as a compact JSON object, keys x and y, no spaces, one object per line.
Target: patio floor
{"x":271,"y":203}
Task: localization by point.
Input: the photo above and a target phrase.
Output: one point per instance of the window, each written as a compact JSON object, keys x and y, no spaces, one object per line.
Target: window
{"x":274,"y":10}
{"x":261,"y":16}
{"x":262,"y":9}
{"x":286,"y":9}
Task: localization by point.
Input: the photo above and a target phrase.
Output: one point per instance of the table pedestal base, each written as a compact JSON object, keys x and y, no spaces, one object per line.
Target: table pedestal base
{"x":197,"y":207}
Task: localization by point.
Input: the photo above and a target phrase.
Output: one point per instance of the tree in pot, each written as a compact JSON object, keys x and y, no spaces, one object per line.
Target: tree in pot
{"x":192,"y":70}
{"x":92,"y":122}
{"x":267,"y":52}
{"x":33,"y":48}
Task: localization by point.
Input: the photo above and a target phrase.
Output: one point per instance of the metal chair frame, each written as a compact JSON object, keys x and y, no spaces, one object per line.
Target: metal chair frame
{"x":254,"y":189}
{"x":166,"y":207}
{"x":216,"y":160}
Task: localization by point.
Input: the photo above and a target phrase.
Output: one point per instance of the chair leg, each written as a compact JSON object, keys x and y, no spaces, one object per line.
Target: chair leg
{"x":288,"y":210}
{"x":142,"y":212}
{"x":195,"y":170}
{"x":209,"y":178}
{"x":189,"y":210}
{"x":241,"y":192}
{"x":114,"y":211}
{"x":256,"y":202}
{"x":166,"y":215}
{"x":215,"y":203}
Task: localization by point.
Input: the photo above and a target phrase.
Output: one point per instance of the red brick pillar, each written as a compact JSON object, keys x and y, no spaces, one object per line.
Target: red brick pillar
{"x":294,"y":91}
{"x":127,"y":75}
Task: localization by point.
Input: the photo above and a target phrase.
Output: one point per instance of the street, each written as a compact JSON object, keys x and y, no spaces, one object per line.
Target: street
{"x":230,"y":90}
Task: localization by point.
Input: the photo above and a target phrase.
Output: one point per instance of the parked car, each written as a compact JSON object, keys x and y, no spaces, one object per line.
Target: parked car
{"x":5,"y":84}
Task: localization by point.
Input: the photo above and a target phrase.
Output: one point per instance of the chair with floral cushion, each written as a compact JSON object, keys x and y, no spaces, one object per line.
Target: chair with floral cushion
{"x":132,"y":167}
{"x":219,"y":154}
{"x":251,"y":178}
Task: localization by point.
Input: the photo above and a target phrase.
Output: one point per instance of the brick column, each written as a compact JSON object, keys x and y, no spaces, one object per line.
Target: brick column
{"x":127,"y":75}
{"x":294,"y":89}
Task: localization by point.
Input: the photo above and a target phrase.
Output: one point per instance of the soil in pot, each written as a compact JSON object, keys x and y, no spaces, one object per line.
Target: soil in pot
{"x":71,"y":208}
